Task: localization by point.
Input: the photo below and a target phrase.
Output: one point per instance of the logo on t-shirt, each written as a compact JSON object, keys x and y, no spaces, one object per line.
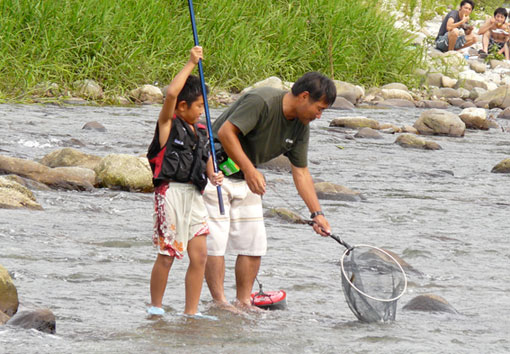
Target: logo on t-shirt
{"x":289,"y":141}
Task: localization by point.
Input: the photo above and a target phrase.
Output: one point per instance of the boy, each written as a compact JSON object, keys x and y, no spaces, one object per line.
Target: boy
{"x":449,"y":36}
{"x":495,"y":33}
{"x":179,"y":158}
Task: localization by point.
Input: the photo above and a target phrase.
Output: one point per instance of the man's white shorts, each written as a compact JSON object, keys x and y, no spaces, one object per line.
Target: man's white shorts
{"x":241,"y":230}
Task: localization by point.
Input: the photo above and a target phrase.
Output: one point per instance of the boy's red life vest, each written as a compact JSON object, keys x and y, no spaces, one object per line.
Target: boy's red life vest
{"x":183,"y":158}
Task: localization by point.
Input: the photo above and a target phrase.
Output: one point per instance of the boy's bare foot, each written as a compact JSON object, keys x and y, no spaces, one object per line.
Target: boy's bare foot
{"x":227,"y":307}
{"x":247,"y":307}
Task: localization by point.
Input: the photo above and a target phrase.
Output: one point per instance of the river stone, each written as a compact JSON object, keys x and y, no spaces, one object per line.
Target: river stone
{"x":280,"y":163}
{"x":46,"y":89}
{"x":272,"y":81}
{"x":499,"y":97}
{"x":440,"y":122}
{"x":368,"y":133}
{"x":396,"y":94}
{"x":477,"y":66}
{"x":429,"y":303}
{"x":94,"y":126}
{"x":350,"y":92}
{"x":125,"y":172}
{"x":342,"y":103}
{"x":14,"y":195}
{"x":448,"y":82}
{"x":445,"y":92}
{"x":354,"y":122}
{"x":409,"y":129}
{"x":3,"y":318}
{"x":502,"y":167}
{"x":505,"y":114}
{"x":147,"y":94}
{"x":8,"y":294}
{"x":395,"y":85}
{"x":413,"y":141}
{"x":286,"y":214}
{"x":467,"y":104}
{"x":434,"y":79}
{"x":88,"y":89}
{"x":433,"y":104}
{"x":395,"y":102}
{"x":389,"y":128}
{"x":498,"y":63}
{"x":331,"y":191}
{"x":457,"y":102}
{"x":68,"y":157}
{"x":475,"y":118}
{"x":42,"y":320}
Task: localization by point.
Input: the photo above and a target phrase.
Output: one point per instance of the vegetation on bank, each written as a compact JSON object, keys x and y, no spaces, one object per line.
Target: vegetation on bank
{"x":123,"y":44}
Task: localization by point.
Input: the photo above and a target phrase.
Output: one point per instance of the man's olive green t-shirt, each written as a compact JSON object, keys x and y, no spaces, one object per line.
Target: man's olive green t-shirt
{"x":265,"y":132}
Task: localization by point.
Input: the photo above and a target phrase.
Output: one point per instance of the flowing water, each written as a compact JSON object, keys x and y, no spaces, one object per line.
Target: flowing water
{"x":88,"y":255}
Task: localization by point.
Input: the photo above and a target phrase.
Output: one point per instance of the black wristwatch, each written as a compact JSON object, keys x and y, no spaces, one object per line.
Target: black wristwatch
{"x":315,"y":213}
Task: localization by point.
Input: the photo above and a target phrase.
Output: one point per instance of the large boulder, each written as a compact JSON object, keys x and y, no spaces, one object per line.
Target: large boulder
{"x":125,"y":172}
{"x":368,"y":133}
{"x":475,"y":118}
{"x":14,"y":195}
{"x":8,"y":294}
{"x":429,"y":303}
{"x":440,"y":122}
{"x":68,"y":157}
{"x":286,"y":214}
{"x":354,"y":122}
{"x":63,"y":177}
{"x":3,"y":318}
{"x":342,"y":103}
{"x":350,"y":92}
{"x":147,"y":94}
{"x":272,"y":81}
{"x":502,"y":167}
{"x":413,"y":141}
{"x":88,"y":89}
{"x":41,"y":319}
{"x":396,"y":94}
{"x":499,"y":97}
{"x":331,"y":191}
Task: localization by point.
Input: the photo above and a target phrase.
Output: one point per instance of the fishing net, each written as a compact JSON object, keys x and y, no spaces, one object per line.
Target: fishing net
{"x":373,"y":281}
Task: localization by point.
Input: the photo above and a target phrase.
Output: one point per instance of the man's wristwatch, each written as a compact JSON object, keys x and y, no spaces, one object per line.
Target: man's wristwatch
{"x":315,"y":213}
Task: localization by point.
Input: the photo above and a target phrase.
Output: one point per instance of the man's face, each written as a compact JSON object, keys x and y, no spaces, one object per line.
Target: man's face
{"x":465,"y":10}
{"x":308,"y":109}
{"x":500,"y":19}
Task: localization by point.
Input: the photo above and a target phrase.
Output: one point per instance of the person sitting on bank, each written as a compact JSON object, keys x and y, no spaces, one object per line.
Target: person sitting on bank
{"x":450,"y":36}
{"x":496,"y":32}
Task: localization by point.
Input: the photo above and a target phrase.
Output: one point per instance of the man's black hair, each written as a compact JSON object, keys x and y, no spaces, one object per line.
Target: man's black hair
{"x":191,"y":91}
{"x":501,"y":11}
{"x":470,"y":2}
{"x":318,"y":86}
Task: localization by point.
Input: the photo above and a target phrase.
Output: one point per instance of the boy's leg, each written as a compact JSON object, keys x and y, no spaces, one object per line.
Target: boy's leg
{"x":485,"y":42}
{"x":197,"y":252}
{"x":159,"y":278}
{"x":215,"y":277}
{"x":247,"y":268}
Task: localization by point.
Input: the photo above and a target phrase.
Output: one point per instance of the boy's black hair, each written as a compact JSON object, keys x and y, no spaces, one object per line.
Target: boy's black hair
{"x":501,"y":11}
{"x":470,"y":2}
{"x":319,"y":86}
{"x":191,"y":91}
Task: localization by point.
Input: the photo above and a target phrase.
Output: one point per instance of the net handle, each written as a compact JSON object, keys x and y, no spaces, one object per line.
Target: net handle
{"x":334,"y":237}
{"x":344,"y":274}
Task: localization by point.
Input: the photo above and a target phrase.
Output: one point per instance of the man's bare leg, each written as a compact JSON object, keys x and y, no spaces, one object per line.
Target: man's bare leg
{"x":215,"y":276}
{"x":452,"y":39}
{"x":247,"y":268}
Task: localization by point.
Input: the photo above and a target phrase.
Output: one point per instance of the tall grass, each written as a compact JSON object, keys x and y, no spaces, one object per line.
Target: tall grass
{"x":125,"y":43}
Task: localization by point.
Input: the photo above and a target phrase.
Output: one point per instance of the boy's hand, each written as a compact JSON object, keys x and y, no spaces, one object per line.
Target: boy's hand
{"x":217,"y":178}
{"x":196,"y":54}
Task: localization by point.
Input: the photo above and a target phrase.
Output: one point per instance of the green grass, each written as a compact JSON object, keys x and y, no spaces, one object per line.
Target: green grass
{"x":124,"y":44}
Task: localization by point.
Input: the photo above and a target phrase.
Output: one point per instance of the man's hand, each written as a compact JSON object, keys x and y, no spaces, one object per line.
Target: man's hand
{"x":256,"y":181}
{"x":196,"y":54}
{"x":321,"y":225}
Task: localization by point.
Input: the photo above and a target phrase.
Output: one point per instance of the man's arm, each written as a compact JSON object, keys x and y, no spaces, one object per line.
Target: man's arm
{"x":487,"y":25}
{"x":304,"y":185}
{"x":228,"y":135}
{"x":451,"y":24}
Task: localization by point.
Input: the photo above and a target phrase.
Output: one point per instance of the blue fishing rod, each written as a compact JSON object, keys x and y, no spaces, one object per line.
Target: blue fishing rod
{"x":206,"y":106}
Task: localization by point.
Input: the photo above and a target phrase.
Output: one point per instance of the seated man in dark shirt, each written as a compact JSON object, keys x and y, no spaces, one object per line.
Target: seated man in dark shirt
{"x":450,"y":36}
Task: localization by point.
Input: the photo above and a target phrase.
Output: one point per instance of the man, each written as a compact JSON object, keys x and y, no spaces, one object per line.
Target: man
{"x":450,"y":36}
{"x":495,"y":32}
{"x":263,"y":124}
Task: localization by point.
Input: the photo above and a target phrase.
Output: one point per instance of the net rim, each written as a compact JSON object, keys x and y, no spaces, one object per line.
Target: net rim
{"x":344,"y":274}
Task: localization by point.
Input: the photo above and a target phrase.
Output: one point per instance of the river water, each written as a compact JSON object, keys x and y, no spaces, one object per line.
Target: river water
{"x":88,"y":255}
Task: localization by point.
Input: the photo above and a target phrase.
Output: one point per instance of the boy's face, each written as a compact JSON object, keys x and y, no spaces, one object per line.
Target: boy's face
{"x":465,"y":10}
{"x":191,"y":114}
{"x":500,"y":18}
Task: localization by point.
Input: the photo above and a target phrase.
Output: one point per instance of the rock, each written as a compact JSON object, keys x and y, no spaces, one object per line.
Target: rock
{"x":475,"y":118}
{"x":68,"y":157}
{"x":350,"y":92}
{"x":505,"y":114}
{"x":46,"y":89}
{"x":147,"y":94}
{"x":88,"y":89}
{"x":94,"y":126}
{"x":396,"y":94}
{"x":499,"y":63}
{"x":395,"y":85}
{"x":55,"y":178}
{"x":331,"y":191}
{"x":457,"y":102}
{"x":476,"y":92}
{"x":271,"y":81}
{"x":354,"y":122}
{"x":368,"y":133}
{"x":409,"y":129}
{"x":440,"y":122}
{"x":434,"y":79}
{"x":280,"y":163}
{"x":42,"y":320}
{"x":395,"y":102}
{"x":389,"y":128}
{"x":3,"y":318}
{"x":502,"y":167}
{"x":470,"y":84}
{"x":429,"y":303}
{"x":125,"y":172}
{"x":8,"y":294}
{"x":286,"y":214}
{"x":14,"y":196}
{"x":448,"y":82}
{"x":342,"y":103}
{"x":467,"y":104}
{"x":445,"y":92}
{"x":477,"y":66}
{"x":499,"y":97}
{"x":412,"y":141}
{"x":433,"y":104}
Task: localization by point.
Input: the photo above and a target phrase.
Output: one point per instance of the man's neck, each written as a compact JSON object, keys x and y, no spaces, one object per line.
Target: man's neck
{"x":289,"y":106}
